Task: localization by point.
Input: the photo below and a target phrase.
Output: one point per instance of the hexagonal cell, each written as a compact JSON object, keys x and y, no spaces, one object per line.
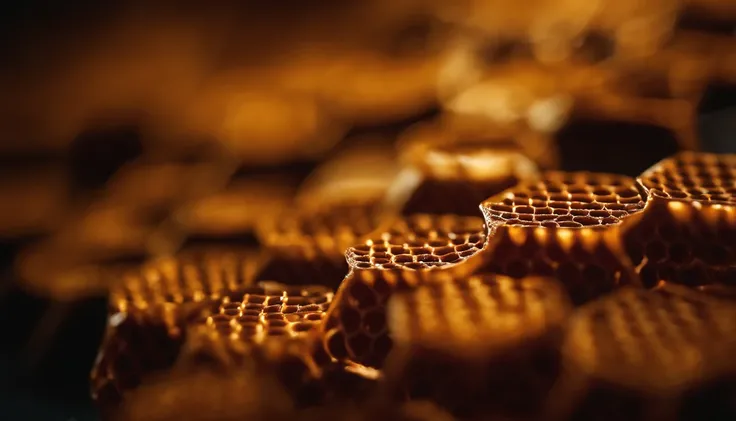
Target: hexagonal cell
{"x":565,"y":227}
{"x":687,"y":231}
{"x":454,"y":177}
{"x":480,"y":345}
{"x":402,"y":257}
{"x":640,"y":354}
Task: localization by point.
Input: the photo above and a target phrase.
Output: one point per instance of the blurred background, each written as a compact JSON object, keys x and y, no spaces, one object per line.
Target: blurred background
{"x":131,"y":129}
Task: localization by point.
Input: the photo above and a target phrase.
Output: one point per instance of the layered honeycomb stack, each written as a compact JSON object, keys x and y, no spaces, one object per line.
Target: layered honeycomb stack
{"x":463,"y":278}
{"x":566,"y":294}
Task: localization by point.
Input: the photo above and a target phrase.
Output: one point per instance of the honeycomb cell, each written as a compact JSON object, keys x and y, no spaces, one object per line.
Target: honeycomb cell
{"x":565,"y":226}
{"x":687,"y":231}
{"x":454,"y":177}
{"x":643,"y":354}
{"x":410,"y":250}
{"x":485,"y":344}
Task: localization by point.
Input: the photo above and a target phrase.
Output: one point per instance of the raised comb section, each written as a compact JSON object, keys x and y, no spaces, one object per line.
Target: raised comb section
{"x":567,"y":200}
{"x":694,"y":177}
{"x":566,"y":227}
{"x":270,"y":309}
{"x":355,"y":329}
{"x":309,"y":248}
{"x":640,"y":354}
{"x":479,"y":344}
{"x":450,"y":176}
{"x":420,"y":242}
{"x":687,"y":232}
{"x":183,"y":279}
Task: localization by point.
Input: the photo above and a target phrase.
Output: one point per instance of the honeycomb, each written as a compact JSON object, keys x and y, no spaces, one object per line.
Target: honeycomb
{"x":567,"y":200}
{"x":309,"y":247}
{"x":193,"y":277}
{"x":642,"y":348}
{"x":687,"y":232}
{"x":419,"y":242}
{"x":479,"y":345}
{"x":149,"y":309}
{"x":564,"y":226}
{"x":477,"y":316}
{"x":203,"y":393}
{"x":454,"y":177}
{"x":268,"y":310}
{"x":270,"y":326}
{"x":355,"y":329}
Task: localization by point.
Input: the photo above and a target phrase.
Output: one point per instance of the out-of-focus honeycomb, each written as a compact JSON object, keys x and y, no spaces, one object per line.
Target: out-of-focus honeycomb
{"x":641,"y":354}
{"x":355,"y":329}
{"x":234,"y":212}
{"x":442,"y":177}
{"x":478,"y":344}
{"x":120,"y":225}
{"x":565,"y":226}
{"x":309,"y":247}
{"x":687,"y":231}
{"x":149,"y":310}
{"x":336,"y":207}
{"x":554,"y":28}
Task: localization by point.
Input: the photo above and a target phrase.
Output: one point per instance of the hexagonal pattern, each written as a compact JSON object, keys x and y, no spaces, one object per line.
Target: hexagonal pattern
{"x":639,"y":346}
{"x":309,"y":248}
{"x":687,"y":233}
{"x":420,"y":242}
{"x":457,"y":339}
{"x":355,"y":329}
{"x":188,"y":278}
{"x":153,"y":309}
{"x":694,"y":177}
{"x":565,"y":227}
{"x":270,"y":309}
{"x":567,"y":200}
{"x":480,"y":315}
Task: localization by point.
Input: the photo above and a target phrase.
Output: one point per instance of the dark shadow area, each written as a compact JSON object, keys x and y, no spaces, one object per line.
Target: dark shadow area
{"x":611,"y":146}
